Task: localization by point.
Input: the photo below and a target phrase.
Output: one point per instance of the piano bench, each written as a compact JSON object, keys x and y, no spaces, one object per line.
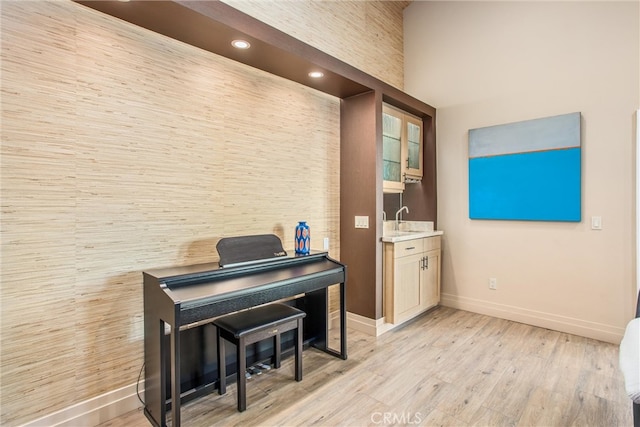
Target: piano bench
{"x":250,"y":326}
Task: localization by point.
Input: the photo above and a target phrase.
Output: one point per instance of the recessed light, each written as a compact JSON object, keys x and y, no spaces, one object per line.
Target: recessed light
{"x":241,"y":44}
{"x":316,"y":74}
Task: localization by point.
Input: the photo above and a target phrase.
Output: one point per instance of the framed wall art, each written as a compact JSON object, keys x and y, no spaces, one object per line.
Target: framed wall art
{"x":528,"y":170}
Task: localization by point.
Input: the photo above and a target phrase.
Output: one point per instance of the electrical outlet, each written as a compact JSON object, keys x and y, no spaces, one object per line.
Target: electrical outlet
{"x":325,"y":244}
{"x":493,"y":283}
{"x":362,"y":221}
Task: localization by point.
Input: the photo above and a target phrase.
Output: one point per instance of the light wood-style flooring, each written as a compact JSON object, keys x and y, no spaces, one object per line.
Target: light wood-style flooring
{"x":446,"y":368}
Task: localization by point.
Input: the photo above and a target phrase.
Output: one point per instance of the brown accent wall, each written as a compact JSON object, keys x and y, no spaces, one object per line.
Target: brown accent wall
{"x":360,"y":194}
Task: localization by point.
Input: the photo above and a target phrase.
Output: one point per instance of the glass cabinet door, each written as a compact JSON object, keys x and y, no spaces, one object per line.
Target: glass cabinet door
{"x":414,"y":147}
{"x":392,"y":151}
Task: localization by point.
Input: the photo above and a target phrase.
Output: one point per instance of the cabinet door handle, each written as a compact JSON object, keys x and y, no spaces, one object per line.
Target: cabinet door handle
{"x":409,"y":248}
{"x":426,"y":262}
{"x":422,"y":263}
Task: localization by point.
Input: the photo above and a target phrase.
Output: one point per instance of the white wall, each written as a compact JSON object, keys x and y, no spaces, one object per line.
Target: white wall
{"x":488,"y":63}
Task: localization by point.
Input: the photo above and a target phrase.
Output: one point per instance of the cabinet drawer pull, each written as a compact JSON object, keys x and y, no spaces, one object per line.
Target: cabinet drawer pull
{"x":409,"y":248}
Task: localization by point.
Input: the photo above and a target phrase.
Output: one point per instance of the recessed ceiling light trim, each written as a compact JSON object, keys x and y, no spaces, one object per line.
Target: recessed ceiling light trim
{"x":241,"y":44}
{"x":316,"y":74}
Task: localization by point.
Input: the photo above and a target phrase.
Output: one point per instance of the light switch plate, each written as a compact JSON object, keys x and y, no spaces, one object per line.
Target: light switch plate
{"x":362,"y":221}
{"x":596,"y":223}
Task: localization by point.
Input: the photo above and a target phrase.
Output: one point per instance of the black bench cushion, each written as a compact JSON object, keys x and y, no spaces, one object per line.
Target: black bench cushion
{"x":255,"y":319}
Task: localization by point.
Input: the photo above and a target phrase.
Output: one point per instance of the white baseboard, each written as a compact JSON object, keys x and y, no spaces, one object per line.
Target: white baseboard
{"x":374,"y":327}
{"x":93,"y":411}
{"x":598,"y":331}
{"x":334,"y":319}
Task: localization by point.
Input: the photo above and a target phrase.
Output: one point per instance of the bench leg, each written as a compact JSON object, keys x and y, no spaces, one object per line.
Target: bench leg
{"x":276,"y":351}
{"x":242,"y":379}
{"x":298,"y":350}
{"x":222,"y":365}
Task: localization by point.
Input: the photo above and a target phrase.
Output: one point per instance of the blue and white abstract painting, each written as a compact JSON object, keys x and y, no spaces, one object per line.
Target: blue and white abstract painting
{"x":529,"y":170}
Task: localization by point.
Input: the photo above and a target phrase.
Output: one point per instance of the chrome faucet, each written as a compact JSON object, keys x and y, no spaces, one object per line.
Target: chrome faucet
{"x":404,"y":208}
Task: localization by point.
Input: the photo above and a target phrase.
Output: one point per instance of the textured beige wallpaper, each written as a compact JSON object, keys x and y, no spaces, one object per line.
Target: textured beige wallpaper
{"x":365,"y":34}
{"x":123,"y":151}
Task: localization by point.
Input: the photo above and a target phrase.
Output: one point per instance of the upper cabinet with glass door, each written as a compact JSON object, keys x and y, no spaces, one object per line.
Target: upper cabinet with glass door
{"x":401,"y":149}
{"x":413,"y":126}
{"x":393,"y":151}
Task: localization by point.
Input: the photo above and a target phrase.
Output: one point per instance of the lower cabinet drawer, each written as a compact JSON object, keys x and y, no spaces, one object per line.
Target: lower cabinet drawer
{"x":409,"y":247}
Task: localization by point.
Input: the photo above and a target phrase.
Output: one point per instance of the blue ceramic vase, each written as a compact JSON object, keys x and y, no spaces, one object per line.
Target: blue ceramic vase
{"x":303,"y":238}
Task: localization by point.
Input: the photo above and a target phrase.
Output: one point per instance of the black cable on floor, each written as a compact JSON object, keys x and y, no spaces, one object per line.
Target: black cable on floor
{"x":137,"y":387}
